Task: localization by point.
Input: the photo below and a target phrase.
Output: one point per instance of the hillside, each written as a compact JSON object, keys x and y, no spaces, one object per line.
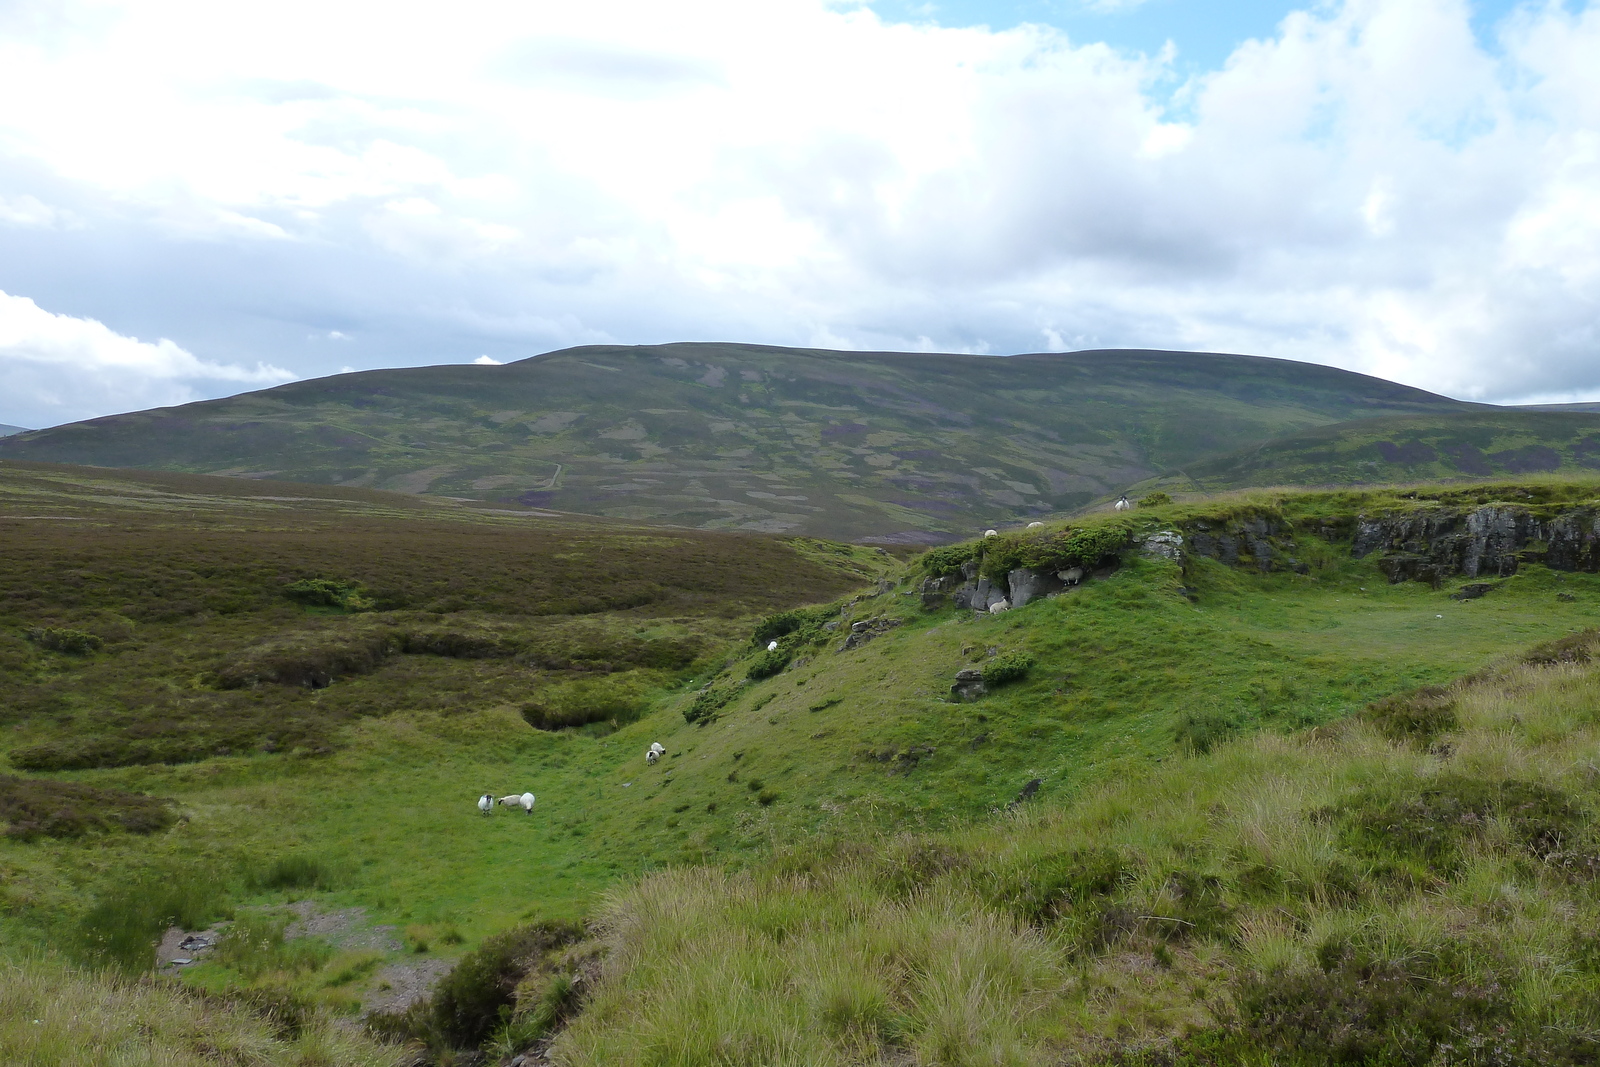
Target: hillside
{"x":892,"y":446}
{"x":6,"y":431}
{"x":1442,"y":446}
{"x":314,"y":683}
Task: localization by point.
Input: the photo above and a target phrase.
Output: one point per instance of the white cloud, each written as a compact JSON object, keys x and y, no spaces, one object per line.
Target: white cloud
{"x":1369,"y":187}
{"x":67,"y":368}
{"x":488,"y":361}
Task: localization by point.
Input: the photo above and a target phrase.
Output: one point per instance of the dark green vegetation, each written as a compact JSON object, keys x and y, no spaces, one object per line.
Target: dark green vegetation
{"x":1438,"y":446}
{"x":723,"y":436}
{"x":1199,"y":799}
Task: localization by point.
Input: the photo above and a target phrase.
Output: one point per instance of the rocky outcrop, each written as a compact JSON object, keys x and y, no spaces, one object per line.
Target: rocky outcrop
{"x":970,"y":590}
{"x":864,"y":630}
{"x":1434,"y":544}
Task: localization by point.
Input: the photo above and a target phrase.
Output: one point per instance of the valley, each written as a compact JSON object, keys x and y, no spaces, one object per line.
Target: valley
{"x":317,"y":682}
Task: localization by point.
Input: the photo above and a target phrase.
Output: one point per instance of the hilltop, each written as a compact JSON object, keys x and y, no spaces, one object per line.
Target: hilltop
{"x":887,"y":446}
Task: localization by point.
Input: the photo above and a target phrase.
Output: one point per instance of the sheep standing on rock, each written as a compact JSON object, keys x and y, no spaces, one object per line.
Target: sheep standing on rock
{"x":655,"y":752}
{"x":486,"y":803}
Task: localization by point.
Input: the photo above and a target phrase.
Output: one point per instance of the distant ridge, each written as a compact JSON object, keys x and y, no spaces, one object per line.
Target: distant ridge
{"x":885,"y":446}
{"x":7,"y":431}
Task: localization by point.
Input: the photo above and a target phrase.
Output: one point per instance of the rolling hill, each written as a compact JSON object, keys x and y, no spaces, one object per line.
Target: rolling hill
{"x":886,"y":446}
{"x":7,"y":431}
{"x":1439,"y":446}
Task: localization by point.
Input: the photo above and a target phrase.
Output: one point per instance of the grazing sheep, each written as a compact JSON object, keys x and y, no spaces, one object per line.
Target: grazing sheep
{"x":656,"y":752}
{"x":772,"y":646}
{"x":1034,"y":525}
{"x":519,"y":800}
{"x":1122,"y":503}
{"x":486,"y":803}
{"x":991,"y":533}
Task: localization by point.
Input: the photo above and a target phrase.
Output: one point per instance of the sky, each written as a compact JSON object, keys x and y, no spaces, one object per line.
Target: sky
{"x":198,"y":199}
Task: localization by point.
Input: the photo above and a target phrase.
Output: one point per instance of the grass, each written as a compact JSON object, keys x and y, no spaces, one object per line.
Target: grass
{"x":51,"y":1015}
{"x":1220,"y":915}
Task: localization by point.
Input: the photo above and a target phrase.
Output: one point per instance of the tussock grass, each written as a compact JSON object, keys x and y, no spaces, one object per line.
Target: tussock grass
{"x":51,"y":1014}
{"x":1335,"y":896}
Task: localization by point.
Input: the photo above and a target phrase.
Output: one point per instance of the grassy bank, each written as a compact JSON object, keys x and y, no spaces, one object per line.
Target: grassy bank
{"x":1346,"y":894}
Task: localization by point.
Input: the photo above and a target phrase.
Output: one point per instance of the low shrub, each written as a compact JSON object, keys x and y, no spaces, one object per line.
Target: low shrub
{"x":60,"y":639}
{"x":33,"y":807}
{"x":313,"y":660}
{"x":1053,"y":549}
{"x":949,"y":559}
{"x":1418,"y":716}
{"x":1201,"y":731}
{"x":478,"y":997}
{"x":769,"y":663}
{"x":1154,"y":500}
{"x":1007,"y":667}
{"x":1040,"y":889}
{"x":327,"y":593}
{"x":617,"y":700}
{"x":704,"y":707}
{"x":1430,"y":824}
{"x":114,"y":750}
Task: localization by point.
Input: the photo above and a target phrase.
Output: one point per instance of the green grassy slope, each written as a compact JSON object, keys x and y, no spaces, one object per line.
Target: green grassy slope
{"x":725,"y":436}
{"x":1504,"y":442}
{"x":1132,"y":671}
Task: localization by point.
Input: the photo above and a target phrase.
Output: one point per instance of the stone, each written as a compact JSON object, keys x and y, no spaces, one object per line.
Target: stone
{"x":968,"y":684}
{"x":1026,"y":795}
{"x":1163,"y":544}
{"x":1473,"y":591}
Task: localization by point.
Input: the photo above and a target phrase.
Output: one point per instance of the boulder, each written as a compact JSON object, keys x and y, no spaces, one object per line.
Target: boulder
{"x":968,"y":684}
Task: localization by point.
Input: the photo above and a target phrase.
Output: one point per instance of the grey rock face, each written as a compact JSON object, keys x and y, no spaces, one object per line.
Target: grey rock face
{"x":1164,"y":544}
{"x":1437,"y":543}
{"x":1026,"y":585}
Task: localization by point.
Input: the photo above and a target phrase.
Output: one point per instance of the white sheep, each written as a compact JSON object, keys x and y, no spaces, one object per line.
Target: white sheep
{"x":998,"y":606}
{"x":1034,"y":525}
{"x":654,"y":753}
{"x":522,"y":800}
{"x":486,"y":803}
{"x":991,"y":533}
{"x":772,"y":646}
{"x":1122,"y":503}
